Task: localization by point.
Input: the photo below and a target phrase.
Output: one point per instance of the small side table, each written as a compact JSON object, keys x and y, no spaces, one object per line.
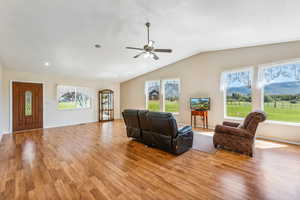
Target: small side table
{"x":204,"y":116}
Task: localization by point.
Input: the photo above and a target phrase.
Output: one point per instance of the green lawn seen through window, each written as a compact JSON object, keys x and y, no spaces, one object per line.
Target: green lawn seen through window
{"x":284,"y":111}
{"x":66,"y":105}
{"x":236,"y":109}
{"x":171,"y":106}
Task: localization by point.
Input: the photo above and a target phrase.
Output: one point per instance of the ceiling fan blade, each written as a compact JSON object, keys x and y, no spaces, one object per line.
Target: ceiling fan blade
{"x":135,"y":48}
{"x":154,"y":56}
{"x":138,"y":55}
{"x":163,"y":50}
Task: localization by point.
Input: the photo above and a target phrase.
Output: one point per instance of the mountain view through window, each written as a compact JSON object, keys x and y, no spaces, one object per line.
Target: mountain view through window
{"x":282,"y":92}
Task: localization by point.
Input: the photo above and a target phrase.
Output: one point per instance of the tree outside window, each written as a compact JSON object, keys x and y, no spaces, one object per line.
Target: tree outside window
{"x":171,"y":95}
{"x":237,"y":93}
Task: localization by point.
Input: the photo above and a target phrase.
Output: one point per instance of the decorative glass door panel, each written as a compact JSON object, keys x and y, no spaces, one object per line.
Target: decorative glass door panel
{"x":106,"y":105}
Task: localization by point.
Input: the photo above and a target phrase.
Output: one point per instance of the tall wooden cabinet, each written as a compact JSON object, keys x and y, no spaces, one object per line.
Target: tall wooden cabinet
{"x":106,"y":105}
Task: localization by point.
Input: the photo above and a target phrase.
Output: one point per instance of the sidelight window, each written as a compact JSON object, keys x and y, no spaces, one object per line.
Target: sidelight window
{"x":28,"y":103}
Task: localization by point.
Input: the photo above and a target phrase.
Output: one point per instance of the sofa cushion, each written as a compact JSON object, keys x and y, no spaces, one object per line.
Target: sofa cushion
{"x":144,"y":121}
{"x":233,"y":131}
{"x":163,"y":123}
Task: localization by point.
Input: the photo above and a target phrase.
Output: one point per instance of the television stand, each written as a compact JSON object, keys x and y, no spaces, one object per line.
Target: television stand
{"x":204,"y":116}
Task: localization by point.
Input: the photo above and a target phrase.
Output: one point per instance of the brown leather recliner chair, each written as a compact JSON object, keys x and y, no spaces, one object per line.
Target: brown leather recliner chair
{"x":239,"y":137}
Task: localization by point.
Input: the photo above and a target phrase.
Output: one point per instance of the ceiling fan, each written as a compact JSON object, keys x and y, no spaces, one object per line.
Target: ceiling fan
{"x":148,"y":50}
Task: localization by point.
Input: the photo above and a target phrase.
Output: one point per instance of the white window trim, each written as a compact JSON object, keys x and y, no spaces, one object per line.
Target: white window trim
{"x":282,"y":62}
{"x":161,"y":93}
{"x":282,"y":123}
{"x":223,"y":89}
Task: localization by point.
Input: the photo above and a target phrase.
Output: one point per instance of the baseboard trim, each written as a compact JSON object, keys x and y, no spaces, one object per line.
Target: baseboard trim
{"x":58,"y":126}
{"x":278,"y":140}
{"x":65,"y":125}
{"x":49,"y":127}
{"x":2,"y":134}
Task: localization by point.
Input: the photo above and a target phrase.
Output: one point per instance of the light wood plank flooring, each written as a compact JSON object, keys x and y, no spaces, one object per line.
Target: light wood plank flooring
{"x":98,"y":161}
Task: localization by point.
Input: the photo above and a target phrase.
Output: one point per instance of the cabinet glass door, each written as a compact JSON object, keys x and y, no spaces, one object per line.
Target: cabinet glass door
{"x":106,"y":105}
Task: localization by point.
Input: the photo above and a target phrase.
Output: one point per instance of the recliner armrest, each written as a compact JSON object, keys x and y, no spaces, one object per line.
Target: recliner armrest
{"x":233,"y":131}
{"x":231,"y":124}
{"x":184,"y":130}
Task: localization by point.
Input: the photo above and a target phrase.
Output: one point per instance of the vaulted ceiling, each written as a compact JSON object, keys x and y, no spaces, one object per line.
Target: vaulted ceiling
{"x":64,"y":32}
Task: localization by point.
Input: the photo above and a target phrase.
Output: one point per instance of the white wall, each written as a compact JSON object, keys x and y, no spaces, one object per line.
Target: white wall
{"x":200,"y":76}
{"x":52,"y":116}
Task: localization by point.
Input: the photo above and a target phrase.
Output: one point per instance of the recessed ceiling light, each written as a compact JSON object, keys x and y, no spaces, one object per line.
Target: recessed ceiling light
{"x":97,"y":46}
{"x":47,"y":64}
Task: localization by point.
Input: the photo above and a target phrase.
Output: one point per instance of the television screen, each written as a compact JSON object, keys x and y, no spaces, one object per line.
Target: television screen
{"x":200,"y":103}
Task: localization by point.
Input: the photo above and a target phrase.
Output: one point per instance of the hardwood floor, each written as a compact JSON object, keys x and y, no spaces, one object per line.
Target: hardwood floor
{"x":98,"y":161}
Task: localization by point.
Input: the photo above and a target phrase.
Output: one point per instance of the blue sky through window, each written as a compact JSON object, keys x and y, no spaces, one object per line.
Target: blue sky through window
{"x":238,"y":79}
{"x":282,"y":73}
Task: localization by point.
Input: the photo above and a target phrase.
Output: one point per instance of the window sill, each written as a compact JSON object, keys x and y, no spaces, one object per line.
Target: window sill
{"x":282,"y":123}
{"x":73,"y":109}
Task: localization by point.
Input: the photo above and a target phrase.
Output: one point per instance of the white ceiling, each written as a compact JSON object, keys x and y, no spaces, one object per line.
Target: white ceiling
{"x":63,"y":32}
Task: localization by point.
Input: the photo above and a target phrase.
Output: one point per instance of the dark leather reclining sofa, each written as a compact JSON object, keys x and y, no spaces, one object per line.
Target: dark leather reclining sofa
{"x":158,"y":129}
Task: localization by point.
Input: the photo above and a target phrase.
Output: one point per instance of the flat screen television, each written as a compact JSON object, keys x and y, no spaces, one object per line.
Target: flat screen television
{"x":200,"y":103}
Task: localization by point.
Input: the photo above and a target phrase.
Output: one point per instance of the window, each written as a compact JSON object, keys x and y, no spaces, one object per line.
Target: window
{"x":171,"y":96}
{"x":70,"y":97}
{"x":153,"y":95}
{"x":281,"y":91}
{"x":237,"y":92}
{"x":28,"y":103}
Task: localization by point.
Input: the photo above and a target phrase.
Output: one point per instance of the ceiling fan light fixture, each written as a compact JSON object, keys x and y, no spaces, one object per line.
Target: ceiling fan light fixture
{"x":151,"y":43}
{"x":147,"y":55}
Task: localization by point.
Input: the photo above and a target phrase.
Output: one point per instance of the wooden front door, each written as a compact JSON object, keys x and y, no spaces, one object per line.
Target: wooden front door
{"x":27,"y":106}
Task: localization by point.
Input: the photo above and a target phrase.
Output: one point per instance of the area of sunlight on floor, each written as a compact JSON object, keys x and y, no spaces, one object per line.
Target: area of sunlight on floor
{"x":263,"y":144}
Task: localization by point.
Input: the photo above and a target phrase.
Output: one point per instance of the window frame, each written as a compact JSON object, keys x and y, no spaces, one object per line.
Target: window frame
{"x":224,"y":89}
{"x":261,"y":87}
{"x":161,"y":93}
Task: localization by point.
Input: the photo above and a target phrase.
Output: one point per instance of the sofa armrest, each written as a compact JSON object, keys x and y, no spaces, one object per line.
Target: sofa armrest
{"x":184,"y":140}
{"x":184,"y":130}
{"x":233,"y":131}
{"x":231,"y":124}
